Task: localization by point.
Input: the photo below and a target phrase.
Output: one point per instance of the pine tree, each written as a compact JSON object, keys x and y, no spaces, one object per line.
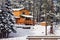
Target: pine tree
{"x":7,"y":21}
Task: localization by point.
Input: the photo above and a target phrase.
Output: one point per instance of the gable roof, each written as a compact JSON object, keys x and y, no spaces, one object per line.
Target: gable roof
{"x":14,"y":9}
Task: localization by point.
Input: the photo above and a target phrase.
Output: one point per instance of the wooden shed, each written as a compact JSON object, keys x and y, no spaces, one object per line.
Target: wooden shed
{"x":18,"y":12}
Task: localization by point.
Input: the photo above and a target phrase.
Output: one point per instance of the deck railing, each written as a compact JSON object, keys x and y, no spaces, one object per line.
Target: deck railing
{"x":43,"y":37}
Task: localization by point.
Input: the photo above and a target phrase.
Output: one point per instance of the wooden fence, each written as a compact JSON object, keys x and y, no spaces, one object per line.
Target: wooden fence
{"x":43,"y":37}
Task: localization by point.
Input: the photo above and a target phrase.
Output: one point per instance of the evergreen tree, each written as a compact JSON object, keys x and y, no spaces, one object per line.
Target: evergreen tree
{"x":7,"y":21}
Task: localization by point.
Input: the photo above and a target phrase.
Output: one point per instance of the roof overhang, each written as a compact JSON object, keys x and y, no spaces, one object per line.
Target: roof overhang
{"x":16,"y":9}
{"x":27,"y":16}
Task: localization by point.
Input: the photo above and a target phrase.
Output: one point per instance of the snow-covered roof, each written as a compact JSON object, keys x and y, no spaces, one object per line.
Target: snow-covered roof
{"x":29,"y":16}
{"x":14,"y":9}
{"x":16,"y":17}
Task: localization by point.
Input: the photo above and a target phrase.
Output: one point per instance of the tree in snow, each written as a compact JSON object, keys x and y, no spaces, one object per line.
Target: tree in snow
{"x":7,"y":21}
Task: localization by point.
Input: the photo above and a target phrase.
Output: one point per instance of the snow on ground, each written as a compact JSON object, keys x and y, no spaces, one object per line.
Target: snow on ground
{"x":36,"y":30}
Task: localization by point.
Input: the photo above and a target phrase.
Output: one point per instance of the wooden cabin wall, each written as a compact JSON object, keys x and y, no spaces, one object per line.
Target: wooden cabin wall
{"x":20,"y":20}
{"x":19,"y":12}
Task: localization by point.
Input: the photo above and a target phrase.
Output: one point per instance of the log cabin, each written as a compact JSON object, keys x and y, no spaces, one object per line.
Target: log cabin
{"x":20,"y":19}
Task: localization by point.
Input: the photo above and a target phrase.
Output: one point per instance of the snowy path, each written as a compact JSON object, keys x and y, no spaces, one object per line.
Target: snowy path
{"x":36,"y":30}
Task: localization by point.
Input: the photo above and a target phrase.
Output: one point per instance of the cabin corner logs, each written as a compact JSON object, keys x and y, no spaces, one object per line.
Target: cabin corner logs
{"x":20,"y":19}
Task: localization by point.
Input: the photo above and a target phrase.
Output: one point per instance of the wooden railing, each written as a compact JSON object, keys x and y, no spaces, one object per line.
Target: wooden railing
{"x":43,"y":37}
